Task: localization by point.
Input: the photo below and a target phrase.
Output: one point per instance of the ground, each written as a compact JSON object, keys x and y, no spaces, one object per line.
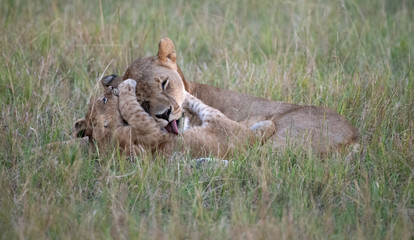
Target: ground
{"x":355,"y":57}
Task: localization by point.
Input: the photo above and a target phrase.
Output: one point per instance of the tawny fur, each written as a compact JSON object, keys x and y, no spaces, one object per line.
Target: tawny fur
{"x":122,"y":120}
{"x":320,"y":128}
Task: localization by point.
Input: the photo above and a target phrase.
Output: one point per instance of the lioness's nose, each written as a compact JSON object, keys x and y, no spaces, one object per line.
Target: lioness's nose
{"x":165,"y":115}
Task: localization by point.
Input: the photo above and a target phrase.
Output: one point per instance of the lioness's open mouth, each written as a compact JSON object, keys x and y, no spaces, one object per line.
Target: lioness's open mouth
{"x":172,"y":127}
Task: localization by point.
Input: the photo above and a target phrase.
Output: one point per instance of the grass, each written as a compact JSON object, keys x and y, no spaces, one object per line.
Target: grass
{"x":352,"y":56}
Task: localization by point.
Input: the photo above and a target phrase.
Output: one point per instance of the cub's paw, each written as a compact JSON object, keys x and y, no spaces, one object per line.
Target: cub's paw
{"x":113,"y":90}
{"x":189,"y":101}
{"x":130,"y":82}
{"x":128,"y":85}
{"x":187,"y":94}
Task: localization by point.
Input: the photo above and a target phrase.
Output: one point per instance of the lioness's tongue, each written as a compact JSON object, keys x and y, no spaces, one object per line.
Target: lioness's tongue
{"x":172,"y":127}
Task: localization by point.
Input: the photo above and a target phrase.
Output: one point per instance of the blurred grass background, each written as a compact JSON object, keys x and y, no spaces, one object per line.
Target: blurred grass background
{"x":352,"y":56}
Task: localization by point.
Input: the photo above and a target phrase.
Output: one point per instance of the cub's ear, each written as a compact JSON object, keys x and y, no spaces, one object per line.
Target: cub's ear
{"x":111,"y":80}
{"x":166,"y":53}
{"x":79,"y":128}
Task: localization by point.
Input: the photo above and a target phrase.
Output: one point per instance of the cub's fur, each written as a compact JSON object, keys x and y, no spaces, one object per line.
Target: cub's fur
{"x":123,"y":120}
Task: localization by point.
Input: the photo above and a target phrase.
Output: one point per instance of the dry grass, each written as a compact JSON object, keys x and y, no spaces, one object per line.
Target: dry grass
{"x":352,"y":56}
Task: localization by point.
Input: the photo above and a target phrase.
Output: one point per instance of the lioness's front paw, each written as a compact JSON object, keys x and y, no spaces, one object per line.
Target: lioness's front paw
{"x":128,"y":85}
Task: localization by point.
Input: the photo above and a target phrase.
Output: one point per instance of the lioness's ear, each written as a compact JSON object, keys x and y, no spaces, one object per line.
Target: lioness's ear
{"x":111,"y":80}
{"x":167,"y":56}
{"x":166,"y":53}
{"x":79,"y":128}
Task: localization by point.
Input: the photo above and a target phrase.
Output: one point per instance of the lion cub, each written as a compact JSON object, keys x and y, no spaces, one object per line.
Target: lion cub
{"x":119,"y":116}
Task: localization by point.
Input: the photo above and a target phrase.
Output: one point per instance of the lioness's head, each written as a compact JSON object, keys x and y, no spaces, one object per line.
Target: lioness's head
{"x":160,"y":85}
{"x":101,"y":119}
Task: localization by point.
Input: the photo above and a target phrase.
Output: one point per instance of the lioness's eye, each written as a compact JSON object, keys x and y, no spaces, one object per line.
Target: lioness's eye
{"x":164,"y":84}
{"x":104,"y":100}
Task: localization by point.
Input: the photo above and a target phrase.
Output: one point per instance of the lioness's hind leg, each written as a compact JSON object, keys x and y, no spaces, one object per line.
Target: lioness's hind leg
{"x":264,"y":129}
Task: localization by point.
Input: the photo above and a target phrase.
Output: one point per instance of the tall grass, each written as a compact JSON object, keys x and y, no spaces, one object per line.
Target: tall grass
{"x":351,"y":56}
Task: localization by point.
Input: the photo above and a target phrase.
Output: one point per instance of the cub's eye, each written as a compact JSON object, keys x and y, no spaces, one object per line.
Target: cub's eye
{"x":164,"y":83}
{"x":104,"y":100}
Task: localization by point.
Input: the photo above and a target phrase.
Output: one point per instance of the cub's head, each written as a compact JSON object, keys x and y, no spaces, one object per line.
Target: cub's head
{"x":101,"y":119}
{"x":160,"y":85}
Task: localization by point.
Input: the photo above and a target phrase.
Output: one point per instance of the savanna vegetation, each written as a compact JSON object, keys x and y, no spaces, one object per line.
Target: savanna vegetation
{"x":352,"y":56}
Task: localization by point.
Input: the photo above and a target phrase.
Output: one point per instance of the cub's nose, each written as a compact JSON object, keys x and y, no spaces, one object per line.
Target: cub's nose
{"x":165,"y":115}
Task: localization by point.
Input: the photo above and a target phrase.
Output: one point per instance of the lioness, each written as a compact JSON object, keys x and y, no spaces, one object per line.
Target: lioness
{"x":122,"y":119}
{"x":320,"y":128}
